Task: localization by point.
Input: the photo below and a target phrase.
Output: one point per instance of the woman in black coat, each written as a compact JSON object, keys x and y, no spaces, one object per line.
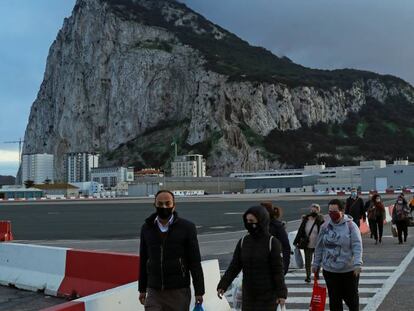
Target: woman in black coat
{"x":258,"y":256}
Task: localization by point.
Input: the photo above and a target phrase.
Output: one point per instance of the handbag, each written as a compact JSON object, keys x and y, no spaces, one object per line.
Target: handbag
{"x":298,"y":258}
{"x":281,"y":308}
{"x":198,"y":307}
{"x":304,"y":240}
{"x":394,"y":231}
{"x":318,"y":299}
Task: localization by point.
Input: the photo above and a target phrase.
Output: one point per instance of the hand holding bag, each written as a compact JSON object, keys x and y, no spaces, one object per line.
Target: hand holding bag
{"x":318,"y":300}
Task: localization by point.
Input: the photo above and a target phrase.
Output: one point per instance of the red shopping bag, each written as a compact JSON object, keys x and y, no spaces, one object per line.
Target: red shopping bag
{"x":318,"y":296}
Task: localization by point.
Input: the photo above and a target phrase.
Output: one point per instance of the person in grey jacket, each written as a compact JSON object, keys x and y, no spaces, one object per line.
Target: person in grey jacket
{"x":339,"y":253}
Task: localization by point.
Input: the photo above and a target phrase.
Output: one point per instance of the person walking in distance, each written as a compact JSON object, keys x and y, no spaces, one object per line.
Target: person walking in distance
{"x":308,"y":234}
{"x":355,"y":207}
{"x":278,"y":230}
{"x":258,"y":256}
{"x":338,"y":252}
{"x":376,"y":214}
{"x":169,"y":252}
{"x":400,"y":218}
{"x":368,"y":204}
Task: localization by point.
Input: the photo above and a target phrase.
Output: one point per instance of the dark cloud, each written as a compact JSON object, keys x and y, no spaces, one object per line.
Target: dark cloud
{"x":375,"y":35}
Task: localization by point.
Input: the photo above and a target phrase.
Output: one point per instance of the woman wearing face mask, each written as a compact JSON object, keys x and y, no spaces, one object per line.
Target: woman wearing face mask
{"x":258,"y":256}
{"x":376,"y":216}
{"x":339,"y":253}
{"x":400,"y":218}
{"x":308,"y":231}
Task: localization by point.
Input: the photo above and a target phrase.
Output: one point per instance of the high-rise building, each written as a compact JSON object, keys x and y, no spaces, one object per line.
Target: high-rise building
{"x":37,"y":168}
{"x":78,"y":166}
{"x":191,"y":165}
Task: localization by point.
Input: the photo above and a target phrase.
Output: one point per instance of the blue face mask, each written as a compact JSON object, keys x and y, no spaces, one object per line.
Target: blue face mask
{"x":353,"y":194}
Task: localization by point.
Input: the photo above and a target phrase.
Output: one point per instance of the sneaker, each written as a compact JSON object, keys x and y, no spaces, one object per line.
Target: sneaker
{"x":307,"y":280}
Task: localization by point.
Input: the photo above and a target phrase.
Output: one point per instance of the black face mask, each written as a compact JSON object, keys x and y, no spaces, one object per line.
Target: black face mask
{"x":164,"y":213}
{"x":253,"y":228}
{"x":314,"y":214}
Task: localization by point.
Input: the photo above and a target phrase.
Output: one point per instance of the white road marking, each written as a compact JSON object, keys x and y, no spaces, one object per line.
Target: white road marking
{"x":308,"y":290}
{"x":363,"y":273}
{"x":376,"y":301}
{"x":361,"y":281}
{"x":234,"y":213}
{"x":220,"y":227}
{"x":306,"y":300}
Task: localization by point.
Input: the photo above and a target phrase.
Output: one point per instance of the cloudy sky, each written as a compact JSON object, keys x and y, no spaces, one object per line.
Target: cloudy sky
{"x":375,"y":35}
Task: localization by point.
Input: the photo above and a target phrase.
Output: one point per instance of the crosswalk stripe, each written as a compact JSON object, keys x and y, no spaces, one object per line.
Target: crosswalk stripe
{"x":362,"y":290}
{"x":306,"y":300}
{"x":361,"y":281}
{"x":363,"y":273}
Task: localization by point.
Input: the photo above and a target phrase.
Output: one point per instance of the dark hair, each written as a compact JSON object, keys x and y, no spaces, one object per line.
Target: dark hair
{"x":375,"y":196}
{"x":274,"y":211}
{"x":269,"y":207}
{"x":278,"y":212}
{"x":337,"y":202}
{"x":165,"y":191}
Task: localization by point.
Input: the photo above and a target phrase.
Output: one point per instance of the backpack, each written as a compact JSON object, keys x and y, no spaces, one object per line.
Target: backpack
{"x":270,"y":243}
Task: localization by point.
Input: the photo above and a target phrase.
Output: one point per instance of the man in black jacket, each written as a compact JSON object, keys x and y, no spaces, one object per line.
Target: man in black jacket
{"x":169,"y":252}
{"x":355,"y":207}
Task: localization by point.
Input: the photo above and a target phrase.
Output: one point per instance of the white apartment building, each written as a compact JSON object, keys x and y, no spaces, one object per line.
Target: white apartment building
{"x":191,"y":165}
{"x":37,"y":167}
{"x":111,"y":176}
{"x":78,"y":166}
{"x":89,"y":187}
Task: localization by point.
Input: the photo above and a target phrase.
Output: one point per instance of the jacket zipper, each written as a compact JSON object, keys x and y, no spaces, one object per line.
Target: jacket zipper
{"x":182,"y":267}
{"x":162,"y":263}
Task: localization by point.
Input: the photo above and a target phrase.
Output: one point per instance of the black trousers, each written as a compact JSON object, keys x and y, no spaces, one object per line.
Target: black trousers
{"x":308,"y":260}
{"x":342,"y":287}
{"x":402,"y":227}
{"x":371,"y":223}
{"x":378,"y":228}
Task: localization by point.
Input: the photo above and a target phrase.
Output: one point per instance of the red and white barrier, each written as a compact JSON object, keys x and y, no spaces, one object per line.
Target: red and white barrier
{"x":125,"y":298}
{"x":5,"y":231}
{"x":106,"y":281}
{"x":64,"y":272}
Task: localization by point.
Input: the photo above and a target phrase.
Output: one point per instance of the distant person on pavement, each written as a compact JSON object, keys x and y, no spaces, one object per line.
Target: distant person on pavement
{"x":278,"y":230}
{"x":339,"y":253}
{"x":355,"y":207}
{"x":258,"y":256}
{"x":309,"y":231}
{"x":400,"y":218}
{"x":376,"y":216}
{"x":169,"y":252}
{"x":371,"y":222}
{"x":411,"y":206}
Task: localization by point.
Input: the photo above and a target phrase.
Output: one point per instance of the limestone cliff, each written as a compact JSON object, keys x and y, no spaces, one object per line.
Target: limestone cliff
{"x":127,"y":77}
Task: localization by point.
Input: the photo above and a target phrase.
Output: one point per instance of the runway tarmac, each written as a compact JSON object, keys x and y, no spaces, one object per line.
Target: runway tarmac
{"x":114,"y":226}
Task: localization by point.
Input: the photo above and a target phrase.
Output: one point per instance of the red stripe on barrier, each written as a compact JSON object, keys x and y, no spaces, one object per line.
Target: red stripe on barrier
{"x":89,"y":272}
{"x":69,"y":306}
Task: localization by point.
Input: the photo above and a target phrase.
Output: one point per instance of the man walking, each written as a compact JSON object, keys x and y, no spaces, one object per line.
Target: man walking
{"x":169,"y":252}
{"x":355,"y":207}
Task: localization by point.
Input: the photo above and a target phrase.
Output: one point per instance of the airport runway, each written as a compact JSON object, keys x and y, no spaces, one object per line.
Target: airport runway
{"x":114,"y":226}
{"x":122,"y":219}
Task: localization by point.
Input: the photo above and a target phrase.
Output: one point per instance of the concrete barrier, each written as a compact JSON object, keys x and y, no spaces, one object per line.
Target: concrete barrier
{"x":32,"y":267}
{"x":90,"y":272}
{"x":125,"y":298}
